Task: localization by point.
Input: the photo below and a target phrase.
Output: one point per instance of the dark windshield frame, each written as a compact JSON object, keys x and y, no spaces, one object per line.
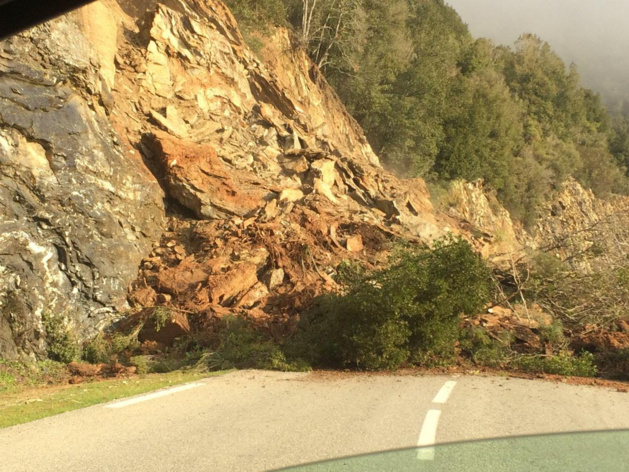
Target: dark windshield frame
{"x":19,"y":15}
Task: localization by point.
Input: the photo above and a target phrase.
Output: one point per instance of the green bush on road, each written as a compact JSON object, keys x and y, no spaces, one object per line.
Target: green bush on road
{"x":408,"y":312}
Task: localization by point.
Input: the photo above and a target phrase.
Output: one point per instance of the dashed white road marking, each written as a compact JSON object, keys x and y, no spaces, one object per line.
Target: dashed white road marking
{"x":152,"y":396}
{"x":428,"y":436}
{"x":445,"y":392}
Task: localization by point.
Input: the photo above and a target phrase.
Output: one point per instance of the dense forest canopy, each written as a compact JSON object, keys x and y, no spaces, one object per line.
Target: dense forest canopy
{"x":436,"y":102}
{"x":593,"y":34}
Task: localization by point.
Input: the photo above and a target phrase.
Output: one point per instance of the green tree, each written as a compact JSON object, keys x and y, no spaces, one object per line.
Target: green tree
{"x":366,"y":80}
{"x":483,"y":130}
{"x":537,"y":76}
{"x":258,"y":14}
{"x":619,"y":140}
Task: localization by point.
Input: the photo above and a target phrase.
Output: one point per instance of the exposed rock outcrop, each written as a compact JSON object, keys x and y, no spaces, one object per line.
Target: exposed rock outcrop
{"x":77,"y":213}
{"x":585,"y":231}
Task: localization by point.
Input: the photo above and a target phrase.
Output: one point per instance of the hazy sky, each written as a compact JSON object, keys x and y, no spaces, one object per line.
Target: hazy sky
{"x":592,"y":33}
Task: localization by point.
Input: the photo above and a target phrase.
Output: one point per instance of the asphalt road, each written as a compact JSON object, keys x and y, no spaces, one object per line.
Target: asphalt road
{"x":255,"y":421}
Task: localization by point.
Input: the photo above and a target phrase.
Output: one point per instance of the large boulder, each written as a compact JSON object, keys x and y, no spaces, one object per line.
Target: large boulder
{"x":199,"y":180}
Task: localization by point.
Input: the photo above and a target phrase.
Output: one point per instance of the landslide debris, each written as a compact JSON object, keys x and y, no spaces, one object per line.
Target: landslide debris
{"x":149,"y":159}
{"x":279,"y":182}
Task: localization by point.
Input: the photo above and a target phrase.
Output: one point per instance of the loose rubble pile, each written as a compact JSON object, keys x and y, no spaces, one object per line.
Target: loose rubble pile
{"x":79,"y":372}
{"x":274,"y":183}
{"x":523,"y":324}
{"x":529,"y":331}
{"x":595,"y":339}
{"x":268,"y":255}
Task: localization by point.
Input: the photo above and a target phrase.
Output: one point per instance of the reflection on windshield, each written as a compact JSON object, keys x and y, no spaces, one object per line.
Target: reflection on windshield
{"x":603,"y":451}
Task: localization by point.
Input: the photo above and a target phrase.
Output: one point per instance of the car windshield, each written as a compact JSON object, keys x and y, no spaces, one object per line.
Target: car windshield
{"x":556,"y":453}
{"x":257,"y":234}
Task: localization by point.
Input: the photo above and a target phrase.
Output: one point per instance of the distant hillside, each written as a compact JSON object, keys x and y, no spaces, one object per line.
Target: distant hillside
{"x":592,"y":34}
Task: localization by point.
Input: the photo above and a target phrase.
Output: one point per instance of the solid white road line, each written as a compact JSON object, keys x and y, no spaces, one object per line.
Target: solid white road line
{"x":445,"y":392}
{"x":152,"y":396}
{"x":428,"y":436}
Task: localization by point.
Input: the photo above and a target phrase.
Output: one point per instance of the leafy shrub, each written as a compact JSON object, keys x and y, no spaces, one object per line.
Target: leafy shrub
{"x":140,"y":363}
{"x":97,"y":351}
{"x":121,"y":342}
{"x":407,"y":312}
{"x":439,"y":285}
{"x":476,"y":343}
{"x":553,"y":335}
{"x":562,"y":364}
{"x":244,"y":347}
{"x":161,"y":315}
{"x":62,"y":343}
{"x":102,"y":349}
{"x":358,"y":330}
{"x":349,"y":271}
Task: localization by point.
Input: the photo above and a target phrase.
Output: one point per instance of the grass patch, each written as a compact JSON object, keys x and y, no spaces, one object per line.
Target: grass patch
{"x":17,"y":376}
{"x":22,"y":406}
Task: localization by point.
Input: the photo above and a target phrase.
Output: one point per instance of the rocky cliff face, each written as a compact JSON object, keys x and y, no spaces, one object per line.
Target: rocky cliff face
{"x":77,"y":212}
{"x":585,"y":231}
{"x":145,"y":134}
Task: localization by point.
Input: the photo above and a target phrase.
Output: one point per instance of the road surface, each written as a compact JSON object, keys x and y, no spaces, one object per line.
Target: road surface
{"x":256,"y":421}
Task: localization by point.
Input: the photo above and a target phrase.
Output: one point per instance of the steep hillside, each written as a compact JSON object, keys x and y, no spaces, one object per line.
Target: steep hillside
{"x":149,"y":158}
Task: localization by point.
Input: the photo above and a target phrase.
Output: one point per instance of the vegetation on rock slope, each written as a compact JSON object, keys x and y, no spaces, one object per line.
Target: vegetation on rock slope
{"x":437,"y":103}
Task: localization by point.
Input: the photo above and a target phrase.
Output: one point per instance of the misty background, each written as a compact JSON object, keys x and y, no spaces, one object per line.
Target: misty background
{"x":594,"y":34}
